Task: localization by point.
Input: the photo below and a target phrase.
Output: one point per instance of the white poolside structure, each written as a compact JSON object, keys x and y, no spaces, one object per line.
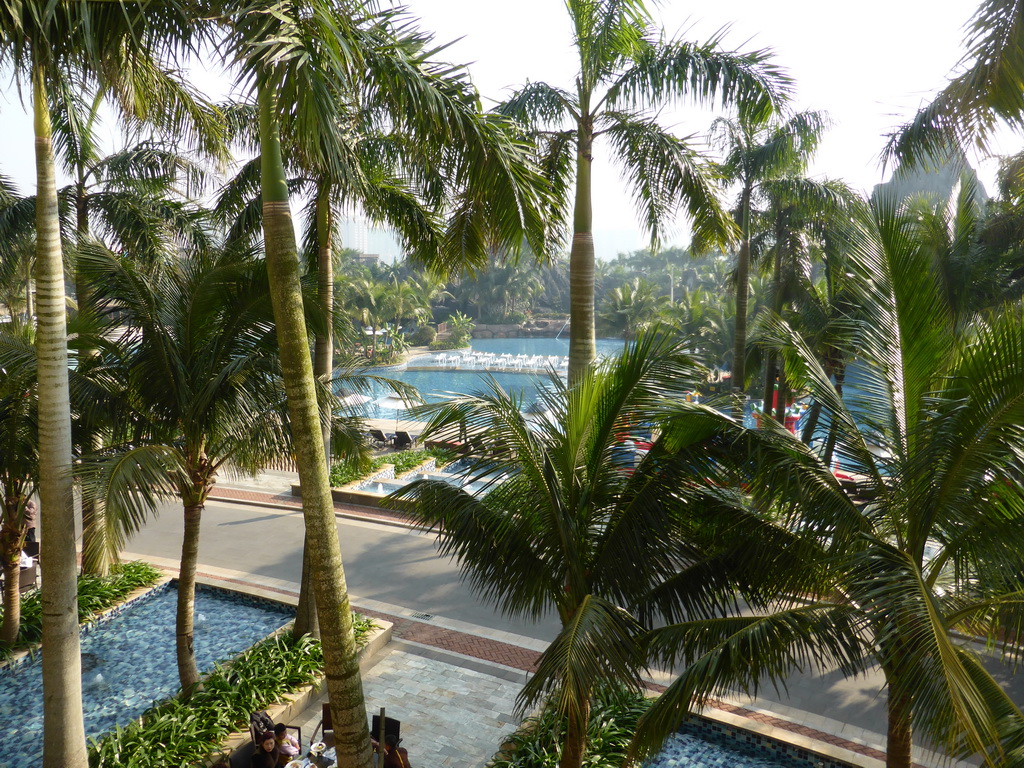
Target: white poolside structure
{"x":468,"y":360}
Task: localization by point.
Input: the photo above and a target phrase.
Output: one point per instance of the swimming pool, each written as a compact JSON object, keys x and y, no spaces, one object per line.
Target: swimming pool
{"x":437,"y":385}
{"x":128,"y":663}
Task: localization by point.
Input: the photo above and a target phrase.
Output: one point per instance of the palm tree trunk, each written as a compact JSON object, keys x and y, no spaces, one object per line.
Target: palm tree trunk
{"x":12,"y":602}
{"x":898,"y":740}
{"x":184,"y":622}
{"x":96,"y":554}
{"x":63,"y":727}
{"x":812,"y":423}
{"x":575,"y":737}
{"x":323,"y":368}
{"x":341,"y":666}
{"x":739,"y":351}
{"x":305,"y":612}
{"x":769,"y":384}
{"x":833,"y":428}
{"x":12,"y":535}
{"x":582,"y":345}
{"x":323,"y":351}
{"x":30,"y":305}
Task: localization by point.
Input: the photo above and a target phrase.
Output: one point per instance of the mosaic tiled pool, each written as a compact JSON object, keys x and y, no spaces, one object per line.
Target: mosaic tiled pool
{"x":128,"y":662}
{"x":708,"y":744}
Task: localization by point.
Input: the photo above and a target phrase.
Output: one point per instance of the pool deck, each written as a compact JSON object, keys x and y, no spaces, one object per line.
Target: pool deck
{"x":453,"y":684}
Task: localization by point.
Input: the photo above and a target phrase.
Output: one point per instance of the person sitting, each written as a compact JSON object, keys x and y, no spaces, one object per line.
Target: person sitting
{"x":394,"y":755}
{"x":266,"y":753}
{"x":287,"y":745}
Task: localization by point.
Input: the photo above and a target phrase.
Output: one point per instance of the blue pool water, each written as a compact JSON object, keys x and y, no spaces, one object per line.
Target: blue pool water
{"x":128,"y":662}
{"x":436,"y":385}
{"x":712,"y":745}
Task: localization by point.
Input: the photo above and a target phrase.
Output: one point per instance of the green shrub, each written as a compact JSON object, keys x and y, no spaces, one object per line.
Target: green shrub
{"x":613,"y":717}
{"x":423,"y":335}
{"x":449,"y":343}
{"x":95,"y":595}
{"x":175,"y":732}
{"x":343,"y":472}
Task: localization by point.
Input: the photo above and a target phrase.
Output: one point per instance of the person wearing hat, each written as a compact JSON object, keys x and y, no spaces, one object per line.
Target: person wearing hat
{"x":266,"y":753}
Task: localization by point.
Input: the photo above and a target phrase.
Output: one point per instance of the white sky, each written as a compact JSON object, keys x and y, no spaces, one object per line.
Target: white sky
{"x":869,"y":64}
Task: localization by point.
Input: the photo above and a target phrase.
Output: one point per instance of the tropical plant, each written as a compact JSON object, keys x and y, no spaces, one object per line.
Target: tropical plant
{"x":925,"y":549}
{"x":131,"y":201}
{"x":461,"y":328}
{"x":613,"y":719}
{"x":298,"y":58}
{"x":631,"y":307}
{"x":572,"y":522}
{"x":985,"y":90}
{"x":756,"y":151}
{"x":626,"y":68}
{"x":95,"y":595}
{"x":796,"y":225}
{"x":114,"y":47}
{"x":19,"y":465}
{"x":178,"y":732}
{"x":200,"y":386}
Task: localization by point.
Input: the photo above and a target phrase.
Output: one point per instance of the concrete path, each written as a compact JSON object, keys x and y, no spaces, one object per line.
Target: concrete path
{"x":447,"y":640}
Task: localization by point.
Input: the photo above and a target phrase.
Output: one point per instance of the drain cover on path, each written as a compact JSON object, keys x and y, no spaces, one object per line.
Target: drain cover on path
{"x":422,"y":616}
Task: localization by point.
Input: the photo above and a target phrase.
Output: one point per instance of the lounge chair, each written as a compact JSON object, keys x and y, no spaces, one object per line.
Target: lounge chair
{"x":379,"y":438}
{"x":403,"y":440}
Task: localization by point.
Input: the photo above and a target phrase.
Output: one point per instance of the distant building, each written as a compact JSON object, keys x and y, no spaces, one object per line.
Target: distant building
{"x":936,"y":179}
{"x":368,"y":259}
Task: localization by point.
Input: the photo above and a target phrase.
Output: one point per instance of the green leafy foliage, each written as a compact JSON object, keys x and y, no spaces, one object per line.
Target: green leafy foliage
{"x":423,"y":335}
{"x":175,"y":732}
{"x":95,"y":595}
{"x":613,"y":718}
{"x":345,"y":472}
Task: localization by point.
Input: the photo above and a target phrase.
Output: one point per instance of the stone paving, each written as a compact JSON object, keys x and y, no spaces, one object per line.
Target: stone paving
{"x":433,"y":699}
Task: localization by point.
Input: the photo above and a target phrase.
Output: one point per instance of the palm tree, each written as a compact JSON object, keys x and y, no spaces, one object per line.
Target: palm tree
{"x":798,"y":216}
{"x":19,"y":464}
{"x":631,"y":307}
{"x":986,"y":89}
{"x":568,"y":524}
{"x":756,"y":151}
{"x":128,"y":200}
{"x":48,"y":46}
{"x":625,"y":70}
{"x":298,"y":58}
{"x":935,"y":553}
{"x":199,"y":326}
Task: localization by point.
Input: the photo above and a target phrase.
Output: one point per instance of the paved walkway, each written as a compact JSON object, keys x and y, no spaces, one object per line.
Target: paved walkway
{"x":453,"y":684}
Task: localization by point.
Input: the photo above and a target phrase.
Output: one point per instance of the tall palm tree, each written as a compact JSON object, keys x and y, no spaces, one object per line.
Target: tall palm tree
{"x":199,"y":326}
{"x":568,"y":524}
{"x":625,"y":70}
{"x":114,"y":45}
{"x":936,"y":551}
{"x":297,"y":58}
{"x":130,"y":200}
{"x":757,"y":150}
{"x":798,"y":215}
